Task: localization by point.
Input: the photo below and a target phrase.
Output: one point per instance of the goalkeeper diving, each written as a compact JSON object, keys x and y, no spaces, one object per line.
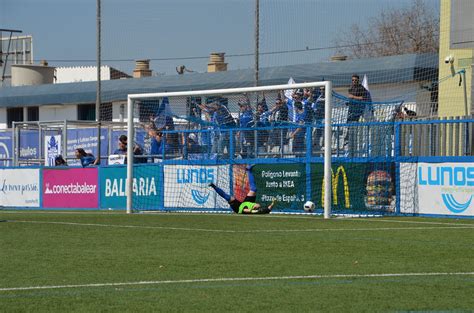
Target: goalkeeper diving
{"x":249,"y":204}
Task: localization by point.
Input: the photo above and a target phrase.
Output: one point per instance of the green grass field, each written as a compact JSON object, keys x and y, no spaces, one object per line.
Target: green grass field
{"x":113,"y":262}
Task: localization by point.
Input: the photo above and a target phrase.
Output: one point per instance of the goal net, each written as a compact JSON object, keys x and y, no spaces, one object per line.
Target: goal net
{"x":192,"y":139}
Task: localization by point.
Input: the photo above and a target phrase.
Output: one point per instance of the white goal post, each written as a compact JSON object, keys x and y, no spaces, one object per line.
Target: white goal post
{"x":132,"y":118}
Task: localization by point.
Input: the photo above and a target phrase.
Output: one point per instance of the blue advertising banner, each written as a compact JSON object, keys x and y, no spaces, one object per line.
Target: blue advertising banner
{"x":29,"y":144}
{"x":5,"y":148}
{"x":86,"y":138}
{"x":146,"y":187}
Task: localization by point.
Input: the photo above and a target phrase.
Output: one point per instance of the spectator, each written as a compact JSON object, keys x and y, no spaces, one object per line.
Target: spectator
{"x":262,"y":117}
{"x":222,"y":118}
{"x":86,"y":158}
{"x":409,"y":113}
{"x":297,"y":96}
{"x":298,"y":135}
{"x":207,"y":135}
{"x":122,"y":146}
{"x":122,"y":150}
{"x":158,"y":143}
{"x":359,"y":98}
{"x":318,"y":108}
{"x":308,"y":100}
{"x":193,"y":146}
{"x":358,"y":94}
{"x":278,"y":117}
{"x":59,"y":161}
{"x":402,"y":113}
{"x":246,"y":137}
{"x":164,"y":122}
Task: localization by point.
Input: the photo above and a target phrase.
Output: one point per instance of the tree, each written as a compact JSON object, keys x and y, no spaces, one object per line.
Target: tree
{"x":414,"y":29}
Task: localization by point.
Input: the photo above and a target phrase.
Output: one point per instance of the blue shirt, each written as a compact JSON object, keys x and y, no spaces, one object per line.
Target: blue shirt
{"x":87,"y":160}
{"x":157,"y":148}
{"x":246,"y":120}
{"x":120,"y":152}
{"x":222,"y":117}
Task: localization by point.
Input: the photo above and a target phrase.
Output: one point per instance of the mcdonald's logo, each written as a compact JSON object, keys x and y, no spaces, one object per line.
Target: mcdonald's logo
{"x":335,"y":184}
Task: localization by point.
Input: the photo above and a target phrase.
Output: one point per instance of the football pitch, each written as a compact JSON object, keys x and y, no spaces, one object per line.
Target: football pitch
{"x":113,"y":262}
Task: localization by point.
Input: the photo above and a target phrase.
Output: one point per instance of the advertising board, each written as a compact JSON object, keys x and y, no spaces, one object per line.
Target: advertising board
{"x":70,"y":188}
{"x":187,"y":186}
{"x":20,"y":187}
{"x":146,"y":187}
{"x":445,"y":188}
{"x":356,"y":186}
{"x":285,"y":183}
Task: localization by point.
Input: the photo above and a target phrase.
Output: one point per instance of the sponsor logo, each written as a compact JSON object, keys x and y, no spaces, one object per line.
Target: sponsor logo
{"x":52,"y":149}
{"x":4,"y":154}
{"x":143,"y":186}
{"x":196,"y":176}
{"x":115,"y":159}
{"x":451,"y":179}
{"x":199,"y":197}
{"x":21,"y":188}
{"x":72,"y":188}
{"x":28,"y":152}
{"x":335,"y":185}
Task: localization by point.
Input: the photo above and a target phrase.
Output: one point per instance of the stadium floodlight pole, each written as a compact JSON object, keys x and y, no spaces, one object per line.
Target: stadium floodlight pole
{"x":327,"y":150}
{"x":257,"y":39}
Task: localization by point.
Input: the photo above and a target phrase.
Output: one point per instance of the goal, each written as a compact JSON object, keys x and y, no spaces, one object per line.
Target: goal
{"x":194,"y":138}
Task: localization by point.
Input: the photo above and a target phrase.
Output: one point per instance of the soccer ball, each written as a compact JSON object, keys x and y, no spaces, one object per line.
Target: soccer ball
{"x":309,"y":206}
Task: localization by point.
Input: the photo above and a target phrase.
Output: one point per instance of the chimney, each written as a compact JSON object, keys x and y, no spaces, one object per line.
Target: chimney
{"x":142,"y":69}
{"x":216,"y":62}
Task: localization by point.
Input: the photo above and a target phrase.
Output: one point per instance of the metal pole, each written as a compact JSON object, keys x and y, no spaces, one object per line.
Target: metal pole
{"x":466,"y":111}
{"x":327,"y":151}
{"x":15,"y":143}
{"x":98,"y":91}
{"x":130,"y":134}
{"x":64,"y":141}
{"x":257,"y":39}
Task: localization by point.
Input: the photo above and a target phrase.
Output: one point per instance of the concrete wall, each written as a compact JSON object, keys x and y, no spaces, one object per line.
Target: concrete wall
{"x":3,"y":118}
{"x":58,"y":113}
{"x":81,"y":74}
{"x":451,"y":95}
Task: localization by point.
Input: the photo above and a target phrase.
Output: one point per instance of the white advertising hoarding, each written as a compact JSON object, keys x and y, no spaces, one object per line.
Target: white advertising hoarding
{"x":19,"y":187}
{"x":187,"y":186}
{"x":445,"y":188}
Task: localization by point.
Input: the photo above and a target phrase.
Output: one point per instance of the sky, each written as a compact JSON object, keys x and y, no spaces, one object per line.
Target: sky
{"x":185,"y":32}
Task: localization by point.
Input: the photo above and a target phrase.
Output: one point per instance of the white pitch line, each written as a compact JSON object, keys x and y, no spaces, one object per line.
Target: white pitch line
{"x":232,"y":279}
{"x":407,"y":222}
{"x":388,"y":219}
{"x":247,"y":231}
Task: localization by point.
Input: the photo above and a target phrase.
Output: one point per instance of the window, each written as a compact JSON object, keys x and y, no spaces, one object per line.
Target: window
{"x":33,"y":114}
{"x":14,"y":115}
{"x":86,"y":112}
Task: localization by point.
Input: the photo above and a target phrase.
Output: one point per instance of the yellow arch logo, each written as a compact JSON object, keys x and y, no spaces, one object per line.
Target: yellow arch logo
{"x":335,"y":183}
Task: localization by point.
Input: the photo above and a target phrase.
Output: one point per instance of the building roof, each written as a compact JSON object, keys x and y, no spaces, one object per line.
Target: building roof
{"x":382,"y":70}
